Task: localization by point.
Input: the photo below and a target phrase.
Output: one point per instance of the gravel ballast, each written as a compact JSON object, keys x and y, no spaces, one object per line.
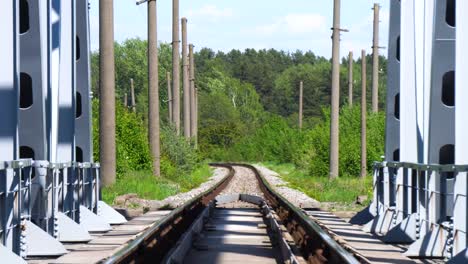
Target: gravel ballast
{"x":243,"y":182}
{"x":296,"y":197}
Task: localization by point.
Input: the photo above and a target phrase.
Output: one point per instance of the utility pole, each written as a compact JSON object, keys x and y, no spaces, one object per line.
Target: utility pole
{"x":375,"y":61}
{"x":169,"y":95}
{"x":350,"y":79}
{"x":153,"y":87}
{"x":175,"y":66}
{"x":107,"y":92}
{"x":125,"y":101}
{"x":335,"y":93}
{"x":301,"y":88}
{"x":185,"y":80}
{"x":193,"y":108}
{"x":363,"y":116}
{"x":132,"y":95}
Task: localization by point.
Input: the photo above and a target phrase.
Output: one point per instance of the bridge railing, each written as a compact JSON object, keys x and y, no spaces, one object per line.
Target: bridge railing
{"x":56,"y":198}
{"x":426,"y":198}
{"x":15,"y":202}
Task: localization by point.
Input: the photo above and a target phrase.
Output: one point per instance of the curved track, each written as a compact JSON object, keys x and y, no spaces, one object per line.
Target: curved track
{"x":241,"y":219}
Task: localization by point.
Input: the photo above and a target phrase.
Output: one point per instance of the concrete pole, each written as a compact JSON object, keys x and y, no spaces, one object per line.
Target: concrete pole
{"x":169,"y":95}
{"x":107,"y":92}
{"x":375,"y":61}
{"x":132,"y":95}
{"x":125,"y":100}
{"x":153,"y":87}
{"x":350,"y":79}
{"x":335,"y":93}
{"x":196,"y":115}
{"x":301,"y":88}
{"x":185,"y":80}
{"x":363,"y":116}
{"x":193,"y":110}
{"x":175,"y":66}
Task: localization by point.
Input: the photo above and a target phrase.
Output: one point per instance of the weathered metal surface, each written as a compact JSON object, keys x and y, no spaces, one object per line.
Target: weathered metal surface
{"x":104,"y":245}
{"x":357,"y":241}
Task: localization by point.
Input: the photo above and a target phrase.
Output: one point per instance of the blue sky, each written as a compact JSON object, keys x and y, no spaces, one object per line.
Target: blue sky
{"x":239,"y":24}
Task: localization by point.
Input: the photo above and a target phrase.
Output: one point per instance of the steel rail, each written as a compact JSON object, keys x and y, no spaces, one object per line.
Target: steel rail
{"x":162,"y":236}
{"x":316,"y":245}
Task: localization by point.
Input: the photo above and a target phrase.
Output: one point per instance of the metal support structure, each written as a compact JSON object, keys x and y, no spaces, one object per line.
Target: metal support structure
{"x":83,"y":123}
{"x":175,"y":66}
{"x":51,"y":82}
{"x":436,"y":210}
{"x":9,"y":96}
{"x":301,"y":88}
{"x":460,"y":220}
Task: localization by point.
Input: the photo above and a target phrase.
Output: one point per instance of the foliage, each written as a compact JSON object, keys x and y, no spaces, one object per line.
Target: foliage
{"x":147,"y":186}
{"x":349,"y":142}
{"x":132,"y":152}
{"x":248,"y":104}
{"x":132,"y":149}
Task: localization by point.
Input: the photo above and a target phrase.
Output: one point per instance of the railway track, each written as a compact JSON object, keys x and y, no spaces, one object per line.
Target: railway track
{"x":241,"y":219}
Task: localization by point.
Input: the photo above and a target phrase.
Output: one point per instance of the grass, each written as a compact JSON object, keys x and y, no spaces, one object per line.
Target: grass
{"x":340,"y":190}
{"x":146,"y":186}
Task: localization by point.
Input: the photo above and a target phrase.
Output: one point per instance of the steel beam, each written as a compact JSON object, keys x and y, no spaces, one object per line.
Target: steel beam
{"x":460,"y":219}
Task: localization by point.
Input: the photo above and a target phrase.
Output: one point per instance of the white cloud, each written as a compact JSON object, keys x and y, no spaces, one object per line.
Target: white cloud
{"x":293,"y":24}
{"x":211,"y":12}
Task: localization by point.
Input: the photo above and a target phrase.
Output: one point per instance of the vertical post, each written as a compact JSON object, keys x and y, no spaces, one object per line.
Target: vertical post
{"x":350,"y":79}
{"x":125,"y":100}
{"x":193,"y":110}
{"x":363,"y":116}
{"x":301,"y":88}
{"x":175,"y":66}
{"x":196,"y":114}
{"x":335,"y":93}
{"x":132,"y":95}
{"x":169,"y":96}
{"x":83,"y":122}
{"x":460,"y":219}
{"x":153,"y":87}
{"x":375,"y":61}
{"x":185,"y":80}
{"x":107,"y":92}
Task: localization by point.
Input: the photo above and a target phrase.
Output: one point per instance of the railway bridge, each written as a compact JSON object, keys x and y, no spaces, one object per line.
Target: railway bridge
{"x":50,"y":203}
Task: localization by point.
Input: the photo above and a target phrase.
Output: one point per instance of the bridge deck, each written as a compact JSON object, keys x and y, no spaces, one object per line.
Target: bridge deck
{"x":104,"y":245}
{"x":367,"y":244}
{"x":234,"y":236}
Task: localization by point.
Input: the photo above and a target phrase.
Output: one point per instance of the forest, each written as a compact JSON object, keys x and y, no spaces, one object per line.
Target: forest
{"x":248,"y":111}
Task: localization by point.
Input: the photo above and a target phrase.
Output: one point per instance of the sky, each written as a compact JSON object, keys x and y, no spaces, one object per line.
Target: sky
{"x":260,"y":24}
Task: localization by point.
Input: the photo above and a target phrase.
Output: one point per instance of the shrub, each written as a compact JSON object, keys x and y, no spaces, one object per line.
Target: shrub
{"x":349,"y":142}
{"x":132,"y":148}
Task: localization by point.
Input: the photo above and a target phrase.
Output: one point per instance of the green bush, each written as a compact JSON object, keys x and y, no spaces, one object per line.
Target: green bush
{"x":132,"y":149}
{"x":132,"y":145}
{"x":349,"y":142}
